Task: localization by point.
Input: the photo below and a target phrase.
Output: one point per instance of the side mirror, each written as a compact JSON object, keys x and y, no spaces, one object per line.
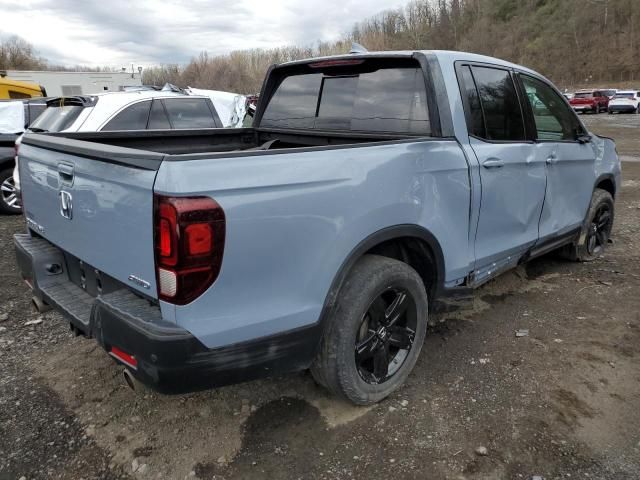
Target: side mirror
{"x":583,"y":138}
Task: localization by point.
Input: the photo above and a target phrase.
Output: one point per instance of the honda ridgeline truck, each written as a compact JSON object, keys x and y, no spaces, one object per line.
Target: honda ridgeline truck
{"x":372,"y":190}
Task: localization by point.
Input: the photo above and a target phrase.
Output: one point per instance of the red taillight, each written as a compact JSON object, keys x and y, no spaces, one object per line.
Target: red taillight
{"x":198,"y":239}
{"x":189,"y":239}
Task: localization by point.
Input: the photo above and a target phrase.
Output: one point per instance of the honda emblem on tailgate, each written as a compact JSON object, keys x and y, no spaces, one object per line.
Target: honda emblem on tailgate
{"x":66,"y":205}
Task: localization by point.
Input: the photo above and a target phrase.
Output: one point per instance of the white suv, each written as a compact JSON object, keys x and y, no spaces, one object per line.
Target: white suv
{"x":625,"y":101}
{"x":139,"y":110}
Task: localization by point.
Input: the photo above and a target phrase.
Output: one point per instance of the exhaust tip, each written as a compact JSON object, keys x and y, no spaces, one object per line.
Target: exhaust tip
{"x":129,"y":380}
{"x":134,"y":384}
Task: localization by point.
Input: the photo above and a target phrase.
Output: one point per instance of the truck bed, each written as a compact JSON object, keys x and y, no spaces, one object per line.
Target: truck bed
{"x":207,"y":141}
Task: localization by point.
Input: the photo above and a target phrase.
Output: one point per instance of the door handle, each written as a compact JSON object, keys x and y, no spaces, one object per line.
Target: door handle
{"x":552,"y":159}
{"x":65,"y":172}
{"x":493,"y":163}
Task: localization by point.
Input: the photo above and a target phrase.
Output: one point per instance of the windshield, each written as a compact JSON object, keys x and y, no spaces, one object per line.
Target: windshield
{"x":56,"y":118}
{"x":583,"y":95}
{"x":625,"y":95}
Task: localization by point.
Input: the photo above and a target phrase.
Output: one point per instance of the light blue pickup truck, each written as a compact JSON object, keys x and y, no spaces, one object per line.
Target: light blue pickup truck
{"x":372,"y":190}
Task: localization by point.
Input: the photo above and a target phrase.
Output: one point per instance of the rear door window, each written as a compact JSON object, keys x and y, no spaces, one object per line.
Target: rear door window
{"x":472,"y":107}
{"x":389,"y":100}
{"x":133,"y":117}
{"x":501,"y":108}
{"x":189,"y":113}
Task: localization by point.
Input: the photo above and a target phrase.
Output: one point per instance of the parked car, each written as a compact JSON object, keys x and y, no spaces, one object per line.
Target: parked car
{"x":17,"y":89}
{"x":137,"y":110}
{"x":129,"y":110}
{"x":12,"y":124}
{"x":368,"y":194}
{"x":594,"y":101}
{"x":625,"y":101}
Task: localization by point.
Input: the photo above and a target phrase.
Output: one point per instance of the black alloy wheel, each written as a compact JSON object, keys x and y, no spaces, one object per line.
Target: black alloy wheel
{"x":386,"y":335}
{"x":599,"y":230}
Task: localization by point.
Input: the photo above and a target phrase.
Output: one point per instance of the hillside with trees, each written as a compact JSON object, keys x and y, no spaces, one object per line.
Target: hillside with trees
{"x":573,"y":42}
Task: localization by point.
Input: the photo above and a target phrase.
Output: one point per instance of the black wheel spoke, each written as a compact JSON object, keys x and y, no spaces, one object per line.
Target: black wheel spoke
{"x":396,"y":309}
{"x":377,"y":313}
{"x":602,"y":238}
{"x":401,"y":337}
{"x":381,"y":363}
{"x":366,"y":348}
{"x":603,"y":220}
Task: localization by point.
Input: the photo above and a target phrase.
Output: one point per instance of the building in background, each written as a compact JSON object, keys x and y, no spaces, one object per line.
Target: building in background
{"x":78,"y":83}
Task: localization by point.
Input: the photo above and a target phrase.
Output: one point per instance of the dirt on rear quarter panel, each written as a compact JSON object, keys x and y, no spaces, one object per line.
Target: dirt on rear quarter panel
{"x":564,"y":399}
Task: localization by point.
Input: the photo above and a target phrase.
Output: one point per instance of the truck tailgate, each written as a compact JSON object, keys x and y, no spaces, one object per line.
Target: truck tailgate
{"x":94,"y":202}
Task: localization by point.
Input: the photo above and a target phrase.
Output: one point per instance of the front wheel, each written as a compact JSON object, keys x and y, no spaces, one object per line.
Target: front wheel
{"x":9,"y":200}
{"x":596,"y":229}
{"x":375,"y":335}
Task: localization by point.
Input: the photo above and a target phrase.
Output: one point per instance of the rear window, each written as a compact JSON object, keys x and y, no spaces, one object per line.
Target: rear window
{"x":389,"y":100}
{"x":56,"y":118}
{"x":625,"y":95}
{"x":583,"y":95}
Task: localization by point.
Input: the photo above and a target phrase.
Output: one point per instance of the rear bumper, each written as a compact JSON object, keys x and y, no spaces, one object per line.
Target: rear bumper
{"x":584,"y":108}
{"x":622,"y":108}
{"x":169,"y":358}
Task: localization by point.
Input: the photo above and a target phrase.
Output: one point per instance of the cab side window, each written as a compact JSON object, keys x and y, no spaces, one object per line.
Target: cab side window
{"x":553,"y":118}
{"x":134,"y":117}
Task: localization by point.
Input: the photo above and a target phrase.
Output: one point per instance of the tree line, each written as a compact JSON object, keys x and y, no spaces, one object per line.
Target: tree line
{"x":573,"y":42}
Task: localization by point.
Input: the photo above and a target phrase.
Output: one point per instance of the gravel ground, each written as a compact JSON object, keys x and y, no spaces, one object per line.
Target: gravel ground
{"x":562,"y":402}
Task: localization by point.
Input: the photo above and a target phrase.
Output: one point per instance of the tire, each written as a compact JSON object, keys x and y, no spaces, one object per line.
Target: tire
{"x":585,"y":250}
{"x":362,"y":315}
{"x":9,"y":202}
{"x":610,"y":112}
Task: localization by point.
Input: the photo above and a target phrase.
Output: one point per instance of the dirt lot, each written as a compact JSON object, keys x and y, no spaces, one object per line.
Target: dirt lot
{"x":562,"y":402}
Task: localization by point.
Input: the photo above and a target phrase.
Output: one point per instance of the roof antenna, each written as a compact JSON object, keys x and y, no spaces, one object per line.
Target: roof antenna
{"x":357,"y":48}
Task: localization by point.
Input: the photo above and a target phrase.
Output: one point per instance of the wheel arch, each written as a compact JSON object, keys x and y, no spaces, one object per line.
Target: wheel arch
{"x":606,"y":182}
{"x":412,"y":244}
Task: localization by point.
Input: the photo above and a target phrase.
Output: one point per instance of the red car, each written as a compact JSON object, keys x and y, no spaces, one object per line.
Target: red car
{"x":594,"y":101}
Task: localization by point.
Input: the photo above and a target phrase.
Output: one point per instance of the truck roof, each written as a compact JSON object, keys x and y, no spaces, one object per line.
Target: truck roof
{"x":444,"y":56}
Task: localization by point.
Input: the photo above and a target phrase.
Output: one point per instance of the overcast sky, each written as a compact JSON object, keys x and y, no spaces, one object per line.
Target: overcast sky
{"x":117,"y":32}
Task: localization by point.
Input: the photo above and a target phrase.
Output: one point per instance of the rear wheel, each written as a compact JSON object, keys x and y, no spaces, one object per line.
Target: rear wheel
{"x":373,"y":340}
{"x":9,"y":201}
{"x":596,"y":229}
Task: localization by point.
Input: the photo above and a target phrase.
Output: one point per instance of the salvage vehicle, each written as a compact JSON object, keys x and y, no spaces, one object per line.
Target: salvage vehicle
{"x":372,"y":190}
{"x":11,"y":125}
{"x":9,"y":197}
{"x":594,"y":101}
{"x":130,"y":110}
{"x":625,"y":101}
{"x":17,"y":89}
